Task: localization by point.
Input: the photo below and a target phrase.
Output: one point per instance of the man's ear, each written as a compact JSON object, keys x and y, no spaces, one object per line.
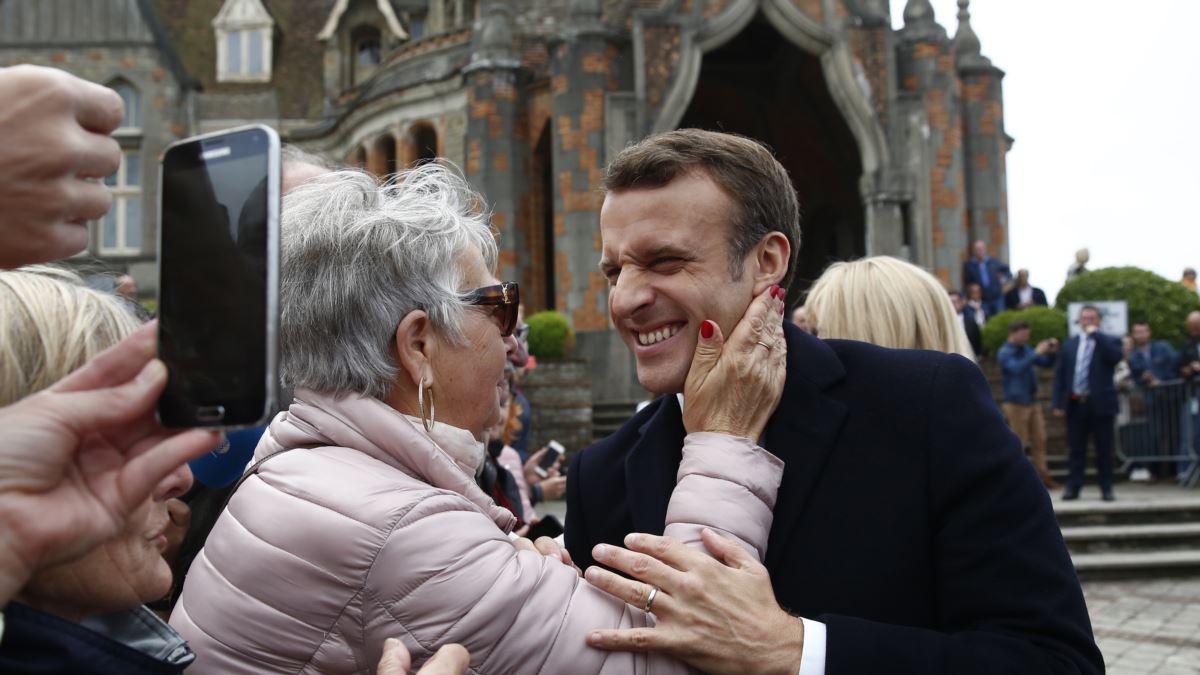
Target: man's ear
{"x":414,"y":342}
{"x":771,"y":258}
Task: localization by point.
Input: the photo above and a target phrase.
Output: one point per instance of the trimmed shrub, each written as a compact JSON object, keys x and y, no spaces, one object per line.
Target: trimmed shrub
{"x":1162,"y":303}
{"x":550,"y":335}
{"x":1044,"y":322}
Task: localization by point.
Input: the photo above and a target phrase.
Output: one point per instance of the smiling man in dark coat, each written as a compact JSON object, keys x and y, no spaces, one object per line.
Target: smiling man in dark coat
{"x":910,"y":533}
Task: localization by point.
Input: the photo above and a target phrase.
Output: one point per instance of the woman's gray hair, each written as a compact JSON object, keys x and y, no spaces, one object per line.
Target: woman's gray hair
{"x":357,"y":257}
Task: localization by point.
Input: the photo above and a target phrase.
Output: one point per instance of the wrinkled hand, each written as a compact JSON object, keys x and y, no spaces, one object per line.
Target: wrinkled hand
{"x":734,"y":385}
{"x":547,"y":547}
{"x":530,"y":468}
{"x":57,"y":130}
{"x":717,"y":615}
{"x":451,"y":659}
{"x":80,"y":456}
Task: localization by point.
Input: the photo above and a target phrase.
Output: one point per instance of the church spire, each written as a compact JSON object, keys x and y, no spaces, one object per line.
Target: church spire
{"x":966,"y":42}
{"x":919,"y":23}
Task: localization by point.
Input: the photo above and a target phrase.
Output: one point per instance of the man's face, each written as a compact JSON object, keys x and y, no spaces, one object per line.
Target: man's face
{"x":980,"y":250}
{"x":1193,"y":325}
{"x":959,"y":301}
{"x":1019,"y":338}
{"x":1023,"y":278}
{"x":1141,"y":334}
{"x":975,"y":292}
{"x":1089,"y":317}
{"x":666,"y":256}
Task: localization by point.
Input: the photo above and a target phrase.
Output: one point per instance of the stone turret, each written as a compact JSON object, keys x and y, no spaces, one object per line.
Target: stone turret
{"x":985,"y":143}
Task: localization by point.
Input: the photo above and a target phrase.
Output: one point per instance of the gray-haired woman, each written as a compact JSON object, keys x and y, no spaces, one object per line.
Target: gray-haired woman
{"x":370,"y":525}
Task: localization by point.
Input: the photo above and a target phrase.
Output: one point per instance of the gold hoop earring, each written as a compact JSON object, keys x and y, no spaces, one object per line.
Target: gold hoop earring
{"x":431,"y":420}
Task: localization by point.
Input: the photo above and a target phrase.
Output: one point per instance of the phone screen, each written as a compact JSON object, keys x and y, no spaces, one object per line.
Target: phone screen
{"x":217,"y":236}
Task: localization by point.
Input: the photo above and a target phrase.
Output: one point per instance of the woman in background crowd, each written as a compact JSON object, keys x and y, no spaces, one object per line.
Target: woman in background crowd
{"x":887,"y":302}
{"x":84,"y":616}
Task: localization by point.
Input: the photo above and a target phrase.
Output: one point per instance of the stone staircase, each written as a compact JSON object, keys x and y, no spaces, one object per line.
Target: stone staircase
{"x":608,"y":417}
{"x":1151,"y":531}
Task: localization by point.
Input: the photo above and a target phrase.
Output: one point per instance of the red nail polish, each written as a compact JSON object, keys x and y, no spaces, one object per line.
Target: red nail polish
{"x":774,"y":290}
{"x":706,"y":329}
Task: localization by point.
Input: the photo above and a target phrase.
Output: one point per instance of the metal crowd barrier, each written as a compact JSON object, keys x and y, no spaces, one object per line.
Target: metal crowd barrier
{"x":1158,"y":424}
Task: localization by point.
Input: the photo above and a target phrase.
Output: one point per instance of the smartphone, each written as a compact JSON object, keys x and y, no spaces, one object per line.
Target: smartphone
{"x":554,"y":450}
{"x":548,"y":526}
{"x":218,"y":278}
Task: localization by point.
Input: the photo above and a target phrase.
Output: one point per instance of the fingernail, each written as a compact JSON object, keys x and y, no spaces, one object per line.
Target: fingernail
{"x":152,"y":372}
{"x":780,"y":292}
{"x":706,"y":329}
{"x":592,"y":575}
{"x":594,"y":638}
{"x":600,"y":552}
{"x":633,"y":540}
{"x":390,"y":643}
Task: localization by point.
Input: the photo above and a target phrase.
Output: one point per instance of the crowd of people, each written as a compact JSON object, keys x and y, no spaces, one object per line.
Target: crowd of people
{"x":733,"y":525}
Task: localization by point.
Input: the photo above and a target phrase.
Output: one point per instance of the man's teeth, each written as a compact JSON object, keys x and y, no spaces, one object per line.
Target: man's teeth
{"x":658,"y":335}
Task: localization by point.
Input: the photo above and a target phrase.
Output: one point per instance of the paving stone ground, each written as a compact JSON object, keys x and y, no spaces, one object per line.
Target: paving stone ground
{"x":1147,"y":626}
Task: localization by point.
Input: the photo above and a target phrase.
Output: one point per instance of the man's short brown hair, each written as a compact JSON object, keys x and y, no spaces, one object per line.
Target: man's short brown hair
{"x":1019,"y":324}
{"x":759,"y":186}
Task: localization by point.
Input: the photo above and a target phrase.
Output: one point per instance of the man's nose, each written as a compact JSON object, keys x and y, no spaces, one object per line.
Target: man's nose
{"x":629,"y":294}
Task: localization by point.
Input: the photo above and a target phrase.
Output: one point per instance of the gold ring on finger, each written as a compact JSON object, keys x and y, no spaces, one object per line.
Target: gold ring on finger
{"x":767,"y":346}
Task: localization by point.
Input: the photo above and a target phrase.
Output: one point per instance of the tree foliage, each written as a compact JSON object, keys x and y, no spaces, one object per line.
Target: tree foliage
{"x":550,"y":335}
{"x":1162,"y":303}
{"x":1044,"y":322}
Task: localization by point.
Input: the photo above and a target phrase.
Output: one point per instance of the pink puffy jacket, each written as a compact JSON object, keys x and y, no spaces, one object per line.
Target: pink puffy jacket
{"x":366,"y":529}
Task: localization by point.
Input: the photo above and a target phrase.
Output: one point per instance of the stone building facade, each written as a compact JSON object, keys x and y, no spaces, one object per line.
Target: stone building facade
{"x":894,"y":137}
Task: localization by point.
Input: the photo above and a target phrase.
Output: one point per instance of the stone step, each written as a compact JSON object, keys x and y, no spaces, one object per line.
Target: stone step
{"x":1141,"y":565}
{"x":1140,"y":537}
{"x":1086,"y":512}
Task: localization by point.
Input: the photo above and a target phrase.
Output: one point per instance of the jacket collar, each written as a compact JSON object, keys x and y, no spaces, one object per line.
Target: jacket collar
{"x":373,"y":428}
{"x":803,"y":436}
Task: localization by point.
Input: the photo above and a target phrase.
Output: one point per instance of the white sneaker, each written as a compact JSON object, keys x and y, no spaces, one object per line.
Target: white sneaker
{"x":1140,"y":474}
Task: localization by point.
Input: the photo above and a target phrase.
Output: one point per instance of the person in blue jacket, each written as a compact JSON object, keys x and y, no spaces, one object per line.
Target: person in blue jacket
{"x":1017,"y":365}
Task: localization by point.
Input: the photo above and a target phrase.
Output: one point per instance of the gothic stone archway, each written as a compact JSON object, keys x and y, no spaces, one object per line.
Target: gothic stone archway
{"x":761,"y":85}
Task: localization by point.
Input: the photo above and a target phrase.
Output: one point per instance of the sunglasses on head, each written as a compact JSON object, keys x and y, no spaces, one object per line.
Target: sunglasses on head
{"x":505,"y":298}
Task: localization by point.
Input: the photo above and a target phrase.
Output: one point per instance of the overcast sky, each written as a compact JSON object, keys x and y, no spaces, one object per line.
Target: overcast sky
{"x":1103,"y":99}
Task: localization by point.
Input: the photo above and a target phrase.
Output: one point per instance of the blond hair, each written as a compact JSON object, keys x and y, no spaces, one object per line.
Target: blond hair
{"x":51,"y":324}
{"x":887,"y":302}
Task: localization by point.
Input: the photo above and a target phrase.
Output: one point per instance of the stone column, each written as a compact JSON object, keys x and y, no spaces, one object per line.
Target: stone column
{"x":984,"y":142}
{"x":497,"y":147}
{"x":929,"y":89}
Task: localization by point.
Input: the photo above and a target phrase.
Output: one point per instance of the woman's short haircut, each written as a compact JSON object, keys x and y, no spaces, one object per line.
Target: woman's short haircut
{"x":357,"y":256}
{"x":757,"y":184}
{"x":51,"y":324}
{"x":887,"y":302}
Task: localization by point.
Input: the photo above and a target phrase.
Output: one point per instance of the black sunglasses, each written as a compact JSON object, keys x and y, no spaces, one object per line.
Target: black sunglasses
{"x":505,"y":297}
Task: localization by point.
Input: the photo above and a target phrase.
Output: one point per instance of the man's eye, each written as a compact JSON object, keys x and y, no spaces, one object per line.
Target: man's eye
{"x":666,"y":264}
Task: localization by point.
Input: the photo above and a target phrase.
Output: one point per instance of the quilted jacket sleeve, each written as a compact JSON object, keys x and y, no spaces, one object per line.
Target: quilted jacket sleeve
{"x":447,"y":574}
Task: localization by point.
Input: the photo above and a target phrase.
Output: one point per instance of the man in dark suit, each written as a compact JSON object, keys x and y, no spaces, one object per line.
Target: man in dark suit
{"x":990,"y":274}
{"x":910,"y":534}
{"x":1022,"y":295}
{"x":970,"y":325}
{"x":1084,"y":392}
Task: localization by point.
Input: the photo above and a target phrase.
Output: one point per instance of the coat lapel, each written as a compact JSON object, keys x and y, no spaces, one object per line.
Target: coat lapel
{"x":803,"y":431}
{"x":652,"y":466}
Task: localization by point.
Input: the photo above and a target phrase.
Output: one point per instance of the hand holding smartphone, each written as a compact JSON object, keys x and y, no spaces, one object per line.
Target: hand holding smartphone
{"x":554,"y":450}
{"x":218,"y":253}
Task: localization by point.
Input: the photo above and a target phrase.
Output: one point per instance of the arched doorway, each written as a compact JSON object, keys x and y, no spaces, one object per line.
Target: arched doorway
{"x":424,"y":140}
{"x":761,"y":85}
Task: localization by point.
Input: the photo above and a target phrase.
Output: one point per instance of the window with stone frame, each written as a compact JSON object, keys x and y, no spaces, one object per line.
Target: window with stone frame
{"x":120,"y":230}
{"x":244,"y":33}
{"x":366,"y":52}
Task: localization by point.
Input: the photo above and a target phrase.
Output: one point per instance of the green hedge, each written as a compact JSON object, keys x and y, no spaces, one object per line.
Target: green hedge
{"x":550,"y":335}
{"x":1163,"y":303}
{"x":1044,"y":322}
